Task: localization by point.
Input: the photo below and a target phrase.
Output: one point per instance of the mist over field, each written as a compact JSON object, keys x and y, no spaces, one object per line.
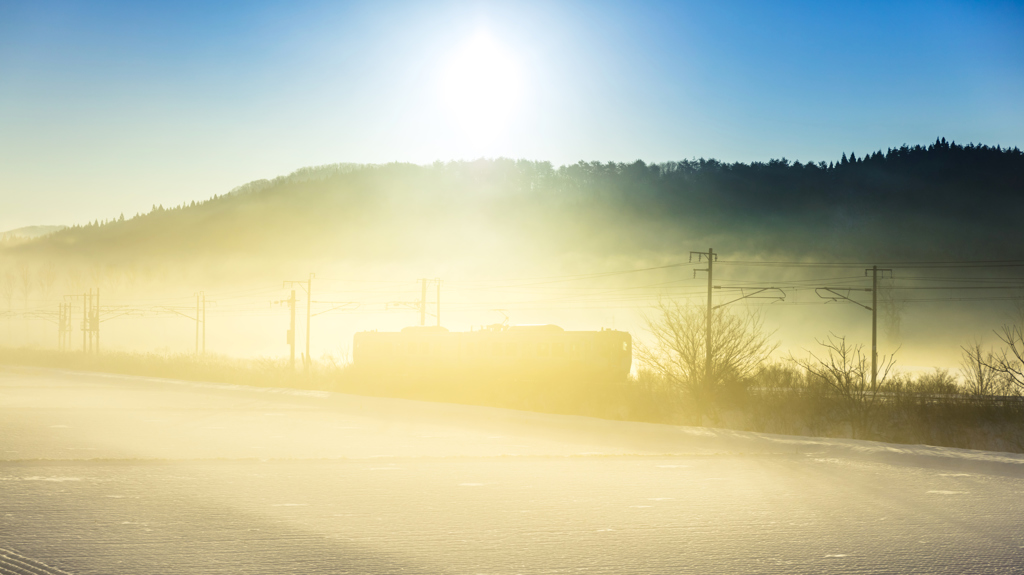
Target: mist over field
{"x":585,"y":246}
{"x":511,"y":287}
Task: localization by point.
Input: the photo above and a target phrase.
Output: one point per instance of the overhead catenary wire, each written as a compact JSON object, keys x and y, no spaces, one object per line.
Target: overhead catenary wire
{"x":610,"y":290}
{"x":967,"y":264}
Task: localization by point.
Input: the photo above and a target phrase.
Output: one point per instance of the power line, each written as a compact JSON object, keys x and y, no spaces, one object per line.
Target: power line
{"x":559,"y":279}
{"x":898,"y":264}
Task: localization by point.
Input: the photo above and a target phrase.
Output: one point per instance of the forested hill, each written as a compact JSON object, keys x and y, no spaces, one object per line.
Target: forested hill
{"x":942,"y":200}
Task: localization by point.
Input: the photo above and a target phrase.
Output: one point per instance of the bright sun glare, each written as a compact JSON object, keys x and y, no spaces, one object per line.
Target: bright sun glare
{"x":481,"y":86}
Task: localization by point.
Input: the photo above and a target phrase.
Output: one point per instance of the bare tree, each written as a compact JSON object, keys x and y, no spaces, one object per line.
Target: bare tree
{"x":113,"y":276}
{"x":25,"y":281}
{"x":46,"y":277}
{"x":73,"y":280}
{"x":96,"y":274}
{"x":845,"y":371}
{"x":739,"y":344}
{"x":8,"y":286}
{"x":130,"y":276}
{"x":1008,"y":361}
{"x":980,"y":377}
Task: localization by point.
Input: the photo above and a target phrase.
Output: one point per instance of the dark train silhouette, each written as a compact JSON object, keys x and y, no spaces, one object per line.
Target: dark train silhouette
{"x":516,"y":352}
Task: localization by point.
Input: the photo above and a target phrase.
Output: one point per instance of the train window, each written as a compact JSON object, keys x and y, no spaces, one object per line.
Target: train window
{"x":425,"y":347}
{"x":410,"y":348}
{"x":496,"y":348}
{"x":574,"y":349}
{"x":558,"y":349}
{"x":542,"y":349}
{"x":512,"y":348}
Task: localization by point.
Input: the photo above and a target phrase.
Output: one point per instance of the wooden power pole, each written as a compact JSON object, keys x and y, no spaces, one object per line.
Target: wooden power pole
{"x":197,"y":324}
{"x":423,"y":302}
{"x":306,"y":361}
{"x":710,"y":256}
{"x":291,"y":331}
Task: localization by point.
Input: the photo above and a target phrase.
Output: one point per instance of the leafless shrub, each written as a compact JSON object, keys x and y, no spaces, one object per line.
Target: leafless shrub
{"x":46,"y":277}
{"x":739,"y":345}
{"x":96,"y":275}
{"x":25,"y":281}
{"x":938,"y":382}
{"x":8,"y":286}
{"x":845,"y":372}
{"x":1007,"y":363}
{"x":73,"y":280}
{"x":778,"y":397}
{"x":981,"y":379}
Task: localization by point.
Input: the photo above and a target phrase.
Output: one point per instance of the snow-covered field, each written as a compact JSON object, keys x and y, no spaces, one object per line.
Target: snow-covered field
{"x":112,"y":474}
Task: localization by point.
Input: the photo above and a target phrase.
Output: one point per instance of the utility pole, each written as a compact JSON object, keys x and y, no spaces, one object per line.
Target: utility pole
{"x":91,"y":322}
{"x":85,"y":321}
{"x":874,"y":321}
{"x":67,"y":324}
{"x":197,"y":324}
{"x":308,"y":286}
{"x":833,"y":293}
{"x":707,"y":329}
{"x":66,"y":341}
{"x":874,"y":326}
{"x":88,"y":321}
{"x":200,"y":318}
{"x":309,"y":302}
{"x":423,"y":302}
{"x":290,"y":339}
{"x":291,"y":331}
{"x":60,"y":327}
{"x":710,"y":256}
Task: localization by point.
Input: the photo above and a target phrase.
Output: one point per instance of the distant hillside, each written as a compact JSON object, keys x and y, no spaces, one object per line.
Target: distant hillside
{"x":22,"y":235}
{"x":944,"y":200}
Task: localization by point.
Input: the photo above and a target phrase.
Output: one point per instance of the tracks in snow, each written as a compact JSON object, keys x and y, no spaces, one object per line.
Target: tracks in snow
{"x":12,"y":563}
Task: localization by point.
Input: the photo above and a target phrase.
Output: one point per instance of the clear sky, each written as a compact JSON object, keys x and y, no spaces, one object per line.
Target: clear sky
{"x":110,"y":107}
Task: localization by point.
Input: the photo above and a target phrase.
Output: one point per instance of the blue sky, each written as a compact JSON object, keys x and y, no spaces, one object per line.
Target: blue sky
{"x":111,"y":107}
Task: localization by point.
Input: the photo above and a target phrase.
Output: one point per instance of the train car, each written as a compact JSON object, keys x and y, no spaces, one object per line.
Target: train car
{"x":497,"y":352}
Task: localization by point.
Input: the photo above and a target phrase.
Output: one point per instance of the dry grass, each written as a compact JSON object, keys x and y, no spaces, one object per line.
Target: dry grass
{"x":930,"y":409}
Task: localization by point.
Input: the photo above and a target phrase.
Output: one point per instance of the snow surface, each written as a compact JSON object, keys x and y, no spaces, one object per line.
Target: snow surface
{"x":115,"y":474}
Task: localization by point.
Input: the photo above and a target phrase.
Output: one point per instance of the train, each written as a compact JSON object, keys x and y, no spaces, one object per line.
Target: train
{"x":497,"y":351}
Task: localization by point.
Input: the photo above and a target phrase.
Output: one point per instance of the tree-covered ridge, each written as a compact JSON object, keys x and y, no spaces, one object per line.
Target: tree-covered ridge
{"x":945,"y":196}
{"x":917,"y":177}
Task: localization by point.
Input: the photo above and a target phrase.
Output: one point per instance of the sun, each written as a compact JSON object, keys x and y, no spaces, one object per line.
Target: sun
{"x":481,"y":86}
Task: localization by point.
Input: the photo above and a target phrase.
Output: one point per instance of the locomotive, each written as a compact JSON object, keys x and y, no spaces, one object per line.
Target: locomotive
{"x":497,"y":352}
